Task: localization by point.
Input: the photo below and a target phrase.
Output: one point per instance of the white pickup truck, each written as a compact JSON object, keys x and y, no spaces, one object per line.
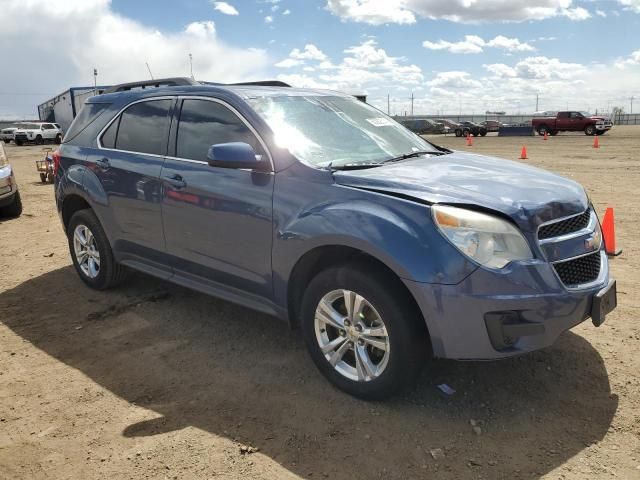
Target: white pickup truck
{"x":38,"y":133}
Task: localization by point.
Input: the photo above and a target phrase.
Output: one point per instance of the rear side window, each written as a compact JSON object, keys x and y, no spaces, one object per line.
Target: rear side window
{"x":88,"y":114}
{"x":143,"y":128}
{"x":204,"y":123}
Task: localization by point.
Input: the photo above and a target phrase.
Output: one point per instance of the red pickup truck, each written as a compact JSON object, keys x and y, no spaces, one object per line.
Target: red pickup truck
{"x":572,"y":122}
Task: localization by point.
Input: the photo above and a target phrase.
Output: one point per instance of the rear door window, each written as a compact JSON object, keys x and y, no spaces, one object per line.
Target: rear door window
{"x":204,"y":123}
{"x":143,"y":127}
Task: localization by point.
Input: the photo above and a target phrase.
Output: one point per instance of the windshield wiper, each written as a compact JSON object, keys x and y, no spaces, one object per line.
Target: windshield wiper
{"x":413,"y":155}
{"x":353,"y":166}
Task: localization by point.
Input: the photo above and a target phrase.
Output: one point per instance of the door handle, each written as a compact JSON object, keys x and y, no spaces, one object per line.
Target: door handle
{"x":175,"y":180}
{"x":103,"y":163}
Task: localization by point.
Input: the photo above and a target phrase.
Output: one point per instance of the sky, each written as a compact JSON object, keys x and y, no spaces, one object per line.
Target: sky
{"x":452,"y":56}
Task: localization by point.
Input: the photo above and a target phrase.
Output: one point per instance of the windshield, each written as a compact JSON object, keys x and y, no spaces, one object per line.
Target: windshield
{"x":323,"y":130}
{"x":585,"y":114}
{"x":29,"y":126}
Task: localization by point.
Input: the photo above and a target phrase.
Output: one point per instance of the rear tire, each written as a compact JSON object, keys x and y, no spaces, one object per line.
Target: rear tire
{"x":383,"y":371}
{"x":458,"y":132}
{"x":108,"y":273}
{"x":43,"y":177}
{"x":15,"y":209}
{"x":58,"y":139}
{"x":7,"y":141}
{"x":19,"y":143}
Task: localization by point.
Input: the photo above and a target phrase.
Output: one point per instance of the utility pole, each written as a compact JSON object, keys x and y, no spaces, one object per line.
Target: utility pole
{"x":388,"y":105}
{"x":631,"y":109}
{"x":537,"y":99}
{"x":412,"y":104}
{"x":191,"y":66}
{"x":95,"y":81}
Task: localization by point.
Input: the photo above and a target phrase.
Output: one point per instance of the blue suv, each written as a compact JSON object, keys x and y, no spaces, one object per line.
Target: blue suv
{"x":316,"y":208}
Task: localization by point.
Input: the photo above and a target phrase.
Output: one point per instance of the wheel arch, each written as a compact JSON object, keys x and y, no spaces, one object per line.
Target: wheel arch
{"x":71,"y":204}
{"x":322,"y":257}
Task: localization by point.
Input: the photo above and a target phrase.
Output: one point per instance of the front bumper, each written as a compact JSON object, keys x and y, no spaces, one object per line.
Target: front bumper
{"x":499,"y":314}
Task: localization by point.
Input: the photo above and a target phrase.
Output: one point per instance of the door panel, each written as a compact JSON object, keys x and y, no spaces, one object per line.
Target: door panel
{"x":218,"y":225}
{"x":217,"y":221}
{"x":128,"y":167}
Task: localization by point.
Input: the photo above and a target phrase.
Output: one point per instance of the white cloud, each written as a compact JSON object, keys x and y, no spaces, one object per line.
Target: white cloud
{"x":289,"y":63}
{"x":600,"y":13}
{"x":374,"y":12}
{"x":201,"y":29}
{"x":363,"y":67}
{"x":378,"y":12}
{"x":538,"y":68}
{"x":576,"y":14}
{"x":286,"y":12}
{"x":310,"y":52}
{"x":475,"y":44}
{"x":92,"y":35}
{"x":224,"y":7}
{"x":454,"y":79}
{"x":631,"y":4}
{"x":268,"y":19}
{"x":632,"y":60}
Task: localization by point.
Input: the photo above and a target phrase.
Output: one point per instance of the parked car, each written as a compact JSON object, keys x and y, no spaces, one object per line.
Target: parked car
{"x":383,"y":248}
{"x":470,"y":128}
{"x":424,"y":126}
{"x":10,"y":202}
{"x":492,"y":125}
{"x":6,"y":134}
{"x":572,"y":122}
{"x":38,"y":133}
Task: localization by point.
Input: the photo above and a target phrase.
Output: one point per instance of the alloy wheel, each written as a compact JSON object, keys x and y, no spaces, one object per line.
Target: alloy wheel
{"x":352,"y":335}
{"x":86,"y":251}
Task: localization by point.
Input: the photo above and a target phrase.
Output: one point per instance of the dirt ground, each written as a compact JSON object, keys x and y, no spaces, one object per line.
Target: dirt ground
{"x":155,"y":381}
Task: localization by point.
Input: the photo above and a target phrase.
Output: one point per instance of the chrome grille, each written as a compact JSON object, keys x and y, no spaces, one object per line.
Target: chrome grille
{"x":564,"y":227}
{"x":579,"y":270}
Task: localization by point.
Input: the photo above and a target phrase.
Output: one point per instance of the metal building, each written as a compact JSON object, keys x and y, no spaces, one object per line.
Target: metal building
{"x":63,"y":108}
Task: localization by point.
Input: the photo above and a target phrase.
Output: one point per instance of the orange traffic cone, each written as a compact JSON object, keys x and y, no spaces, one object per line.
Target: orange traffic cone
{"x":609,"y":233}
{"x":469,"y":141}
{"x":523,"y":153}
{"x":546,"y":136}
{"x":596,"y":142}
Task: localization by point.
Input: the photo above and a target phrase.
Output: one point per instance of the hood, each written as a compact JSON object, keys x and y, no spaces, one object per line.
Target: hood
{"x":598,"y":117}
{"x":528,"y":195}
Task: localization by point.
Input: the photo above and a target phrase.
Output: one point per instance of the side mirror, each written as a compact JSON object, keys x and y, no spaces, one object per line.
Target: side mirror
{"x":234,"y":155}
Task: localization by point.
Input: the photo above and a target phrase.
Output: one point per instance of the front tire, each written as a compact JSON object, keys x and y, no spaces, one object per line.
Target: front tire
{"x":39,"y":140}
{"x":91,"y":252}
{"x":58,"y":139}
{"x":542,"y":130}
{"x":6,"y":141}
{"x":363,"y":331}
{"x":43,"y":177}
{"x":458,"y":132}
{"x":15,"y":209}
{"x":590,"y":130}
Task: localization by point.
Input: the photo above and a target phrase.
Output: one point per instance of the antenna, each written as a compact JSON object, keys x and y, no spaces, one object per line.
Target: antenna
{"x":191,"y":66}
{"x":150,"y":74}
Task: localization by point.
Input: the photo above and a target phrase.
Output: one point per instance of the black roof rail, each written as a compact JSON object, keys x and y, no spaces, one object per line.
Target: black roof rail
{"x":159,"y":82}
{"x":264,"y":83}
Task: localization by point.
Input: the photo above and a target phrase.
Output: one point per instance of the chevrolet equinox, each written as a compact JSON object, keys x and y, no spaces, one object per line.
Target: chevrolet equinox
{"x":317,"y":208}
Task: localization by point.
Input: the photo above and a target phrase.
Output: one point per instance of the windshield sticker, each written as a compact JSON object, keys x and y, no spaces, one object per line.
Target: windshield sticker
{"x":380,"y":122}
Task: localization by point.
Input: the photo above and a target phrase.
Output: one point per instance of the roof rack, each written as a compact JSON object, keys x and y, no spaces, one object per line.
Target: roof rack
{"x":182,"y":81}
{"x":160,"y":82}
{"x":264,"y":83}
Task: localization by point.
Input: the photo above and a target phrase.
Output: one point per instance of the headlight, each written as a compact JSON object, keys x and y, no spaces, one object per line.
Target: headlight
{"x":485,"y":239}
